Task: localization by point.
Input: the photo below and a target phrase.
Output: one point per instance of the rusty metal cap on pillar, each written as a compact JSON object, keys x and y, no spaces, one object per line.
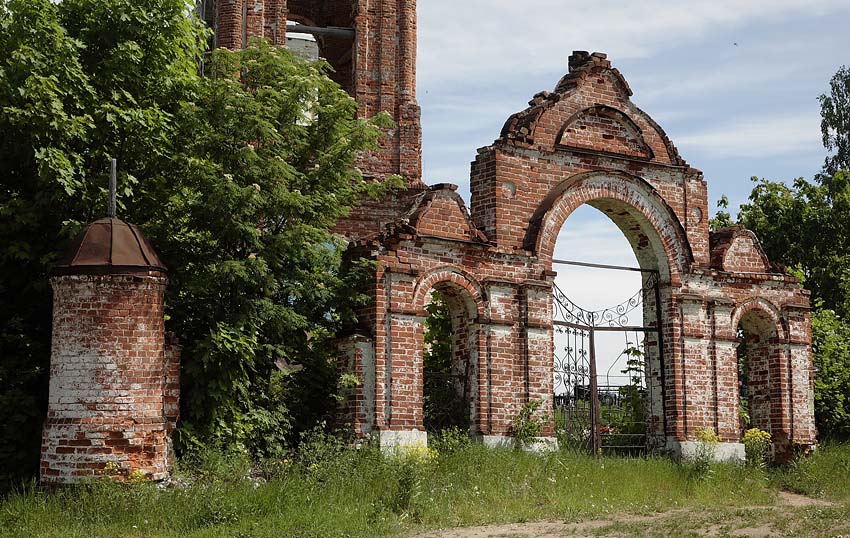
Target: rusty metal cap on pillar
{"x":109,"y":246}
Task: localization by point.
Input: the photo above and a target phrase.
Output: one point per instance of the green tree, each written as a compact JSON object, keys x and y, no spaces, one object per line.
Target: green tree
{"x":831,"y":345}
{"x":266,"y":169}
{"x":804,"y":227}
{"x":236,"y":177}
{"x":835,"y":122}
{"x":722,"y":218}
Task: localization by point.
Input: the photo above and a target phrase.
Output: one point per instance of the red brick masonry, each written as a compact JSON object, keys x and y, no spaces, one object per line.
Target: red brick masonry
{"x":584,"y":143}
{"x":114,"y":381}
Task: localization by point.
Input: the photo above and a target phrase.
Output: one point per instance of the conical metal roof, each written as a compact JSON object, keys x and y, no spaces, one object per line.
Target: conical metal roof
{"x":109,"y":246}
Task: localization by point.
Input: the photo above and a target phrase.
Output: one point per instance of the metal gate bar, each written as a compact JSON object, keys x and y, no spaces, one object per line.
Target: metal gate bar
{"x":577,"y":373}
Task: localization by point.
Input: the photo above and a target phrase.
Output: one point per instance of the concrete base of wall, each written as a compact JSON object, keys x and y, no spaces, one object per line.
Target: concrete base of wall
{"x":390,"y":441}
{"x":688,"y":450}
{"x":540,"y":444}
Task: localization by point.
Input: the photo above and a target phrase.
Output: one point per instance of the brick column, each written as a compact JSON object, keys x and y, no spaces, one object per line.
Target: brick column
{"x":538,"y":341}
{"x":725,"y":350}
{"x":108,"y":375}
{"x":229,"y":24}
{"x":803,"y":429}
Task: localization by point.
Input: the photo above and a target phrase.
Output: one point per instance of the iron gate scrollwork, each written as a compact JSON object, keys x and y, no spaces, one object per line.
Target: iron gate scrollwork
{"x":619,"y":409}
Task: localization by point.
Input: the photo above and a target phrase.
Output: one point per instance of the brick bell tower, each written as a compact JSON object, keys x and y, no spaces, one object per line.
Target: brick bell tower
{"x":371,"y":45}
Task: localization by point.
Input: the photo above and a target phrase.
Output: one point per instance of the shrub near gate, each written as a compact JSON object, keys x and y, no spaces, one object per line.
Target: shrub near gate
{"x":756,"y":445}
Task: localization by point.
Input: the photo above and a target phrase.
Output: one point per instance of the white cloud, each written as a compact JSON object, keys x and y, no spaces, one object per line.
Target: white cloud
{"x":493,"y":39}
{"x":757,"y":137}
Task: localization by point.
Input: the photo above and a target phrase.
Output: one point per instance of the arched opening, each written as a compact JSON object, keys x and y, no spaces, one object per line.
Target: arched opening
{"x":450,"y":360}
{"x":336,"y":43}
{"x":758,"y":346}
{"x":608,"y":335}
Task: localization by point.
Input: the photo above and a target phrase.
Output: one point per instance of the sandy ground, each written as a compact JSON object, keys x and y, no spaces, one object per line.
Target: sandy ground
{"x":754,"y":521}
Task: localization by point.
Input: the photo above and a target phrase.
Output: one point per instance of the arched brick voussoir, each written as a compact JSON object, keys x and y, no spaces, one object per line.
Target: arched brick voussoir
{"x":658,"y":222}
{"x":452,"y":276}
{"x":766,"y":310}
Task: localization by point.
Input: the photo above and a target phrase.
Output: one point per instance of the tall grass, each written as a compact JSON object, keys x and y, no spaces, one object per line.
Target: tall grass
{"x":331,"y":492}
{"x":825,"y":474}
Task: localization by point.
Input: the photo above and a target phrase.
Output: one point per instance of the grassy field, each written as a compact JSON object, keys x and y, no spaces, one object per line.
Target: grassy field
{"x":332,"y":492}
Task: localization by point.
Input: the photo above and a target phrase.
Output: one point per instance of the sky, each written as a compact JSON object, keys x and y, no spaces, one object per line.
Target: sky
{"x":734,"y":83}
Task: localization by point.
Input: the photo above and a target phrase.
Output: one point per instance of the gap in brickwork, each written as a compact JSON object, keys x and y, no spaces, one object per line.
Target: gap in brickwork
{"x":757,"y":357}
{"x":337,"y":50}
{"x":590,"y":236}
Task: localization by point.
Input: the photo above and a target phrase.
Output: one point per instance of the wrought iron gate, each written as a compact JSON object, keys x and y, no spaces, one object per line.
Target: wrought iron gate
{"x":618,"y":409}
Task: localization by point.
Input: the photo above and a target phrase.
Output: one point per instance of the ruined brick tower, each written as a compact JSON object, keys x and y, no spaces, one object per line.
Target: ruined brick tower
{"x":371,"y":47}
{"x":113,"y":376}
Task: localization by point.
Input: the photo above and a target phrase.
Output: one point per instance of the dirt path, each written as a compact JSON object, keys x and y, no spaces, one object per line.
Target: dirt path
{"x":752,"y":521}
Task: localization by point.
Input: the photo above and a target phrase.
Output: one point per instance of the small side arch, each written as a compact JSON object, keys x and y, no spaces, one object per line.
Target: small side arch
{"x":765,"y":310}
{"x":452,"y":276}
{"x":453,"y":375}
{"x":761,"y":359}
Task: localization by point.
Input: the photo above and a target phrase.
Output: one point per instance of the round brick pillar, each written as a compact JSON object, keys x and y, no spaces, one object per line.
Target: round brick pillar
{"x":109,"y":367}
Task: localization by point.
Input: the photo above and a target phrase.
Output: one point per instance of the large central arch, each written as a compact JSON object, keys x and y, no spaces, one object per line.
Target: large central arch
{"x":660,"y":245}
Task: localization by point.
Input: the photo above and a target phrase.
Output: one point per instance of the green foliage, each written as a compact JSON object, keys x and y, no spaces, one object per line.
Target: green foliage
{"x":362,"y":493}
{"x":236,"y":177}
{"x":835,"y":122}
{"x":831,"y":347}
{"x":449,"y":441}
{"x":703,"y":457}
{"x":826,"y":473}
{"x":721,"y":219}
{"x":804,"y":227}
{"x":632,"y":417}
{"x":528,"y":424}
{"x":267,"y":168}
{"x":756,"y":446}
{"x":80,"y":80}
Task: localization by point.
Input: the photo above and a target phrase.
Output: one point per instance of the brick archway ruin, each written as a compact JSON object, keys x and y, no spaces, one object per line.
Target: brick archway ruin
{"x":584,"y":143}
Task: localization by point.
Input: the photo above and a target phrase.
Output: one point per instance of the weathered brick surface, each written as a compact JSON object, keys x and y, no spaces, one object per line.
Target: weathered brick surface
{"x":114,"y":382}
{"x":587,"y":144}
{"x":378,"y":67}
